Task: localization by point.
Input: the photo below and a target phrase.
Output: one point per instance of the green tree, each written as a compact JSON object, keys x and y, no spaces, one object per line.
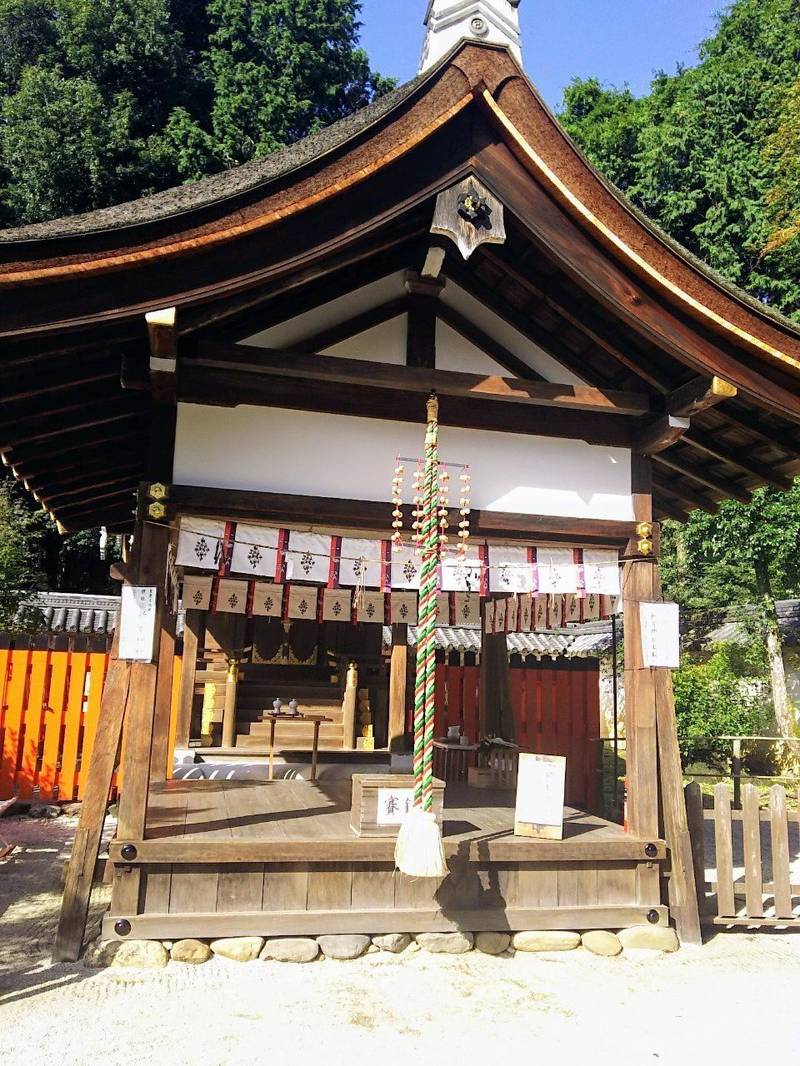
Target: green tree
{"x":103,"y":101}
{"x":746,"y":553}
{"x":20,"y":538}
{"x":692,"y":154}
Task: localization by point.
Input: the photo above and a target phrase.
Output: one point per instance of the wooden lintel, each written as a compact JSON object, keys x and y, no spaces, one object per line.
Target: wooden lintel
{"x":371,"y":515}
{"x":262,"y":362}
{"x":698,"y":395}
{"x":661,"y":434}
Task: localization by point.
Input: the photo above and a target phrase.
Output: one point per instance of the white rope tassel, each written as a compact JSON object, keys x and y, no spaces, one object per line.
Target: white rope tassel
{"x":419,"y":851}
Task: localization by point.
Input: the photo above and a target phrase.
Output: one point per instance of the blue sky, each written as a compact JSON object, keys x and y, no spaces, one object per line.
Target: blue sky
{"x":616,"y":40}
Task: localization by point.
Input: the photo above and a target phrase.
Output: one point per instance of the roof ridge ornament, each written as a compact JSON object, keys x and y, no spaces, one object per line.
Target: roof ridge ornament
{"x":449,"y":21}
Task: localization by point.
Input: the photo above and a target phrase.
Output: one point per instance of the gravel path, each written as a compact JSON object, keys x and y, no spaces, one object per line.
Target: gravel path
{"x":416,"y":1008}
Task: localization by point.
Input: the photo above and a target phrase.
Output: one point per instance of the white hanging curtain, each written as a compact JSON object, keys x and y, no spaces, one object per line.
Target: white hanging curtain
{"x":462,"y":573}
{"x":302,"y":602}
{"x":267,"y":600}
{"x":308,"y":557}
{"x":404,"y":606}
{"x":557,"y":570}
{"x":255,"y":551}
{"x":197,"y":592}
{"x":231,"y":596}
{"x":406,"y":568}
{"x":601,"y":571}
{"x":200,"y":543}
{"x":370,"y":607}
{"x":509,"y":570}
{"x":337,"y":605}
{"x":361,"y":563}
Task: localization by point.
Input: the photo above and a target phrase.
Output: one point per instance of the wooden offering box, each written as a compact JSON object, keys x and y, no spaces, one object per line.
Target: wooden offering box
{"x":381,"y":801}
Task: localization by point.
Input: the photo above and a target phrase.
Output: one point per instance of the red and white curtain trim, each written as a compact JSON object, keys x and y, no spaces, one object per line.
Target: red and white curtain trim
{"x":339,"y":563}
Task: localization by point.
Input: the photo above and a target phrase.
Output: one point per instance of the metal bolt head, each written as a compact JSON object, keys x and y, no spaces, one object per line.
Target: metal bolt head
{"x":122,"y":927}
{"x":653,"y":917}
{"x":128,"y":852}
{"x":650,"y":851}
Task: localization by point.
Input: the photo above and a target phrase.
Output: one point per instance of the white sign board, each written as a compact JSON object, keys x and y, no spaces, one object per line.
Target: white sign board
{"x":540,"y":796}
{"x":394,"y":804}
{"x":137,"y":632}
{"x":661,"y":639}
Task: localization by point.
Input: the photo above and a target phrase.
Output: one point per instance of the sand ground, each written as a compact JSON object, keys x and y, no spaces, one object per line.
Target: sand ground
{"x":735,"y":999}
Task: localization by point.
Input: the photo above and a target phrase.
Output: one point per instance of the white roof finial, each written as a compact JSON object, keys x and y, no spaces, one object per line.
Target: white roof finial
{"x":449,"y":21}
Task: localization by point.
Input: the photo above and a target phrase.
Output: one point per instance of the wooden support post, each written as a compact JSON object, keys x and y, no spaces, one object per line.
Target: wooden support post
{"x":151,"y":570}
{"x":397,"y":689}
{"x":86,"y":845}
{"x":161,"y":754}
{"x":349,"y":707}
{"x":496,"y":715}
{"x":683,"y":889}
{"x":229,"y":711}
{"x":192,"y":634}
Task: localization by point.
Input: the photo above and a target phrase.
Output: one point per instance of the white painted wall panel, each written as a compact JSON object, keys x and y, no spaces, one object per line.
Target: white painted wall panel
{"x":385,"y":343}
{"x":273,"y":450}
{"x":454,"y":352}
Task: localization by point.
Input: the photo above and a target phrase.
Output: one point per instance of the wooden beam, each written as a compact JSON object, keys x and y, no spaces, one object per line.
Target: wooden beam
{"x":692,"y":500}
{"x":488,"y":345}
{"x":162,"y":333}
{"x":44,"y":383}
{"x":421,"y":331}
{"x":698,"y":395}
{"x":243,"y":505}
{"x":351,"y":327}
{"x":661,"y":434}
{"x":705,"y":442}
{"x":263,"y":362}
{"x":702,"y":477}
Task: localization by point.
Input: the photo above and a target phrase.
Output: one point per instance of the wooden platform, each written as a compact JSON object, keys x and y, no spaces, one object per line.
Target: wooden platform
{"x":238,"y":857}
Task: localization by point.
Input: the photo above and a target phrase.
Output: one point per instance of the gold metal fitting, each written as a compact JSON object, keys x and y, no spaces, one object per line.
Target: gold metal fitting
{"x":157,"y":511}
{"x":157,"y":491}
{"x":645,"y":530}
{"x":645,"y":547}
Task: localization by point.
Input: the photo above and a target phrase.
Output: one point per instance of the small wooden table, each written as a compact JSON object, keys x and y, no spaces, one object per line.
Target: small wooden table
{"x":314,"y":719}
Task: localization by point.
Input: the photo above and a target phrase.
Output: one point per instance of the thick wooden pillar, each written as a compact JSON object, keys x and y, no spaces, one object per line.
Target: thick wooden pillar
{"x":151,"y":570}
{"x":161,"y":753}
{"x":496,"y":714}
{"x":397,"y":689}
{"x":640,"y":584}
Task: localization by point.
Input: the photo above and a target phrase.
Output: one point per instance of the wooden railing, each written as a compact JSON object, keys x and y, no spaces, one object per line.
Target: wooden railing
{"x":763,"y":893}
{"x":49,"y":712}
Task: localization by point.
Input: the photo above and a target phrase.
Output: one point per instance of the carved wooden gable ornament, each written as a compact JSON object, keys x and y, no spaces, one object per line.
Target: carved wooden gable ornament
{"x":470,"y":216}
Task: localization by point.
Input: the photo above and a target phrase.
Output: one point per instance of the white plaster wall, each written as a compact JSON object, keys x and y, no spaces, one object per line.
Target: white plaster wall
{"x":274,"y":450}
{"x":386,"y":343}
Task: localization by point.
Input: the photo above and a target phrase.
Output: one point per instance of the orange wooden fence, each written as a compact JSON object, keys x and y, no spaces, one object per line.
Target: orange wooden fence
{"x":49,"y":712}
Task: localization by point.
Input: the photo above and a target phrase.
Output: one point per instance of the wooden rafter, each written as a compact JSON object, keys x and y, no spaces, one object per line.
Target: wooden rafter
{"x":661,"y":434}
{"x":703,"y":477}
{"x":351,"y":327}
{"x":698,"y":395}
{"x":692,"y":500}
{"x":488,"y":345}
{"x":708,"y":444}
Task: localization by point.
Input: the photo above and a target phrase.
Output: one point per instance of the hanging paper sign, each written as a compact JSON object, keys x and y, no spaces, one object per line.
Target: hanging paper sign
{"x":557,"y":570}
{"x":255,"y":550}
{"x":525,"y":612}
{"x":406,"y":568}
{"x":572,"y":609}
{"x":443,"y":609}
{"x":302,"y":602}
{"x":488,"y":617}
{"x":512,"y":614}
{"x":510,"y":570}
{"x":610,"y":605}
{"x":591,"y":608}
{"x":661,"y":640}
{"x":137,"y":632}
{"x":540,"y":613}
{"x":197,"y":592}
{"x":267,"y":600}
{"x":308,"y":557}
{"x":541,"y":781}
{"x":360,"y":563}
{"x":404,"y":608}
{"x":200,"y":543}
{"x":337,"y":605}
{"x":500,"y":608}
{"x":468,"y":608}
{"x":370,"y":607}
{"x":601,"y":571}
{"x":393,"y":805}
{"x":231,"y":596}
{"x":462,"y":573}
